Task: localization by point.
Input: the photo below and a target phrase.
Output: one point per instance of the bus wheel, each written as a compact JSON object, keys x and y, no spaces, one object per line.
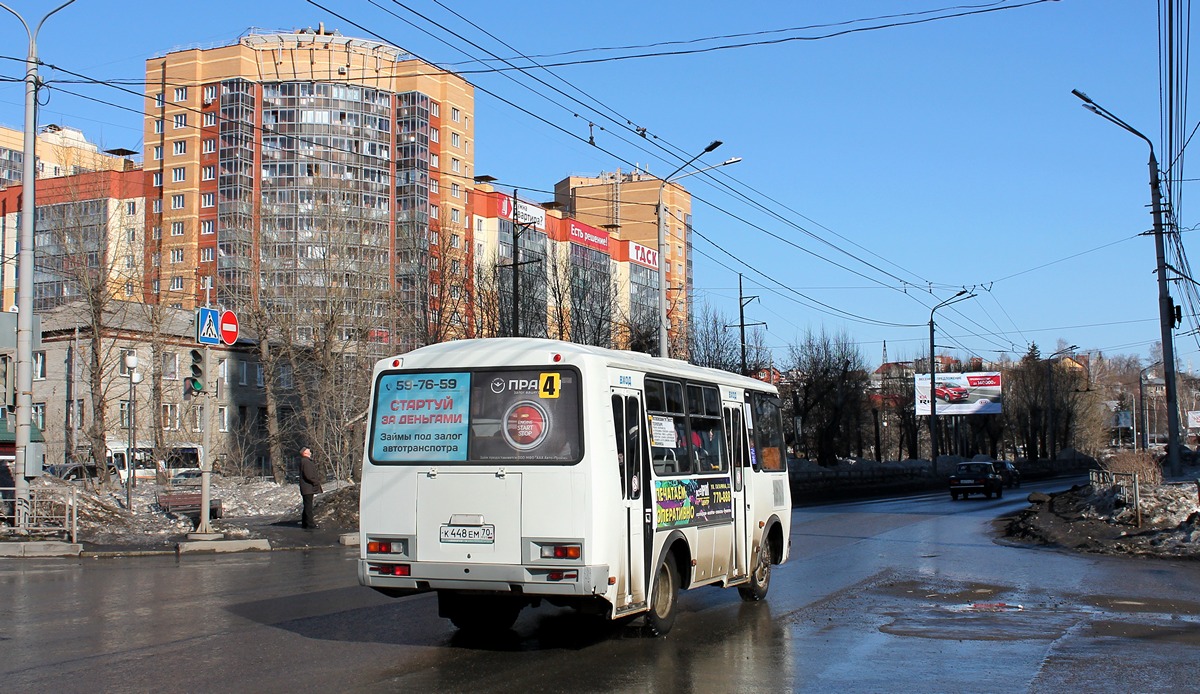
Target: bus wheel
{"x":479,"y":613}
{"x":663,"y":598}
{"x":760,"y":577}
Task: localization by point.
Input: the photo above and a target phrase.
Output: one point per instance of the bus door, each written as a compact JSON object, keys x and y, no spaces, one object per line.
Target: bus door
{"x":634,"y":471}
{"x":739,"y":467}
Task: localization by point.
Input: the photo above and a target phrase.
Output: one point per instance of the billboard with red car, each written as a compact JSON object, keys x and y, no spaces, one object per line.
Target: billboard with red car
{"x":959,"y":393}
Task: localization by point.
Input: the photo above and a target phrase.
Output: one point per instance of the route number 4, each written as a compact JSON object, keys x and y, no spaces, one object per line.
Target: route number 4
{"x":549,"y":385}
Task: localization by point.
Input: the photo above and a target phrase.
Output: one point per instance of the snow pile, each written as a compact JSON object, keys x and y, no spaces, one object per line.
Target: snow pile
{"x":103,"y":516}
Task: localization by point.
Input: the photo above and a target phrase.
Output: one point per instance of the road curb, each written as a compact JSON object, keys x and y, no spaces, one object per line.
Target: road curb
{"x":222,"y":546}
{"x":39,"y":549}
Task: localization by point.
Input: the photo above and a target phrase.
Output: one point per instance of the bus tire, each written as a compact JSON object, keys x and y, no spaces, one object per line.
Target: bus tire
{"x":664,"y":598}
{"x":479,"y":613}
{"x":760,"y":575}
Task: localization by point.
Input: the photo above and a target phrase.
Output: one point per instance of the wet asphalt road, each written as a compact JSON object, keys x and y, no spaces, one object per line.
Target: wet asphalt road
{"x":910,"y":594}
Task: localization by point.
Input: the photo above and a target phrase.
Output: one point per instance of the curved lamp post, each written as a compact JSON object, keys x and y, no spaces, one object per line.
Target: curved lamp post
{"x":662,"y":256}
{"x":1166,"y":317}
{"x":24,"y":409}
{"x":1050,"y":394}
{"x":933,"y":431}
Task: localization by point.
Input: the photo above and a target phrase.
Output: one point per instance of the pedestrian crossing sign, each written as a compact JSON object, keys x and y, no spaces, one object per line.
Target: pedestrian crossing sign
{"x":206,"y":327}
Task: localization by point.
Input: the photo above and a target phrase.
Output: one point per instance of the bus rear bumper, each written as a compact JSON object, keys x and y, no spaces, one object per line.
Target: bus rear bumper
{"x":503,"y":578}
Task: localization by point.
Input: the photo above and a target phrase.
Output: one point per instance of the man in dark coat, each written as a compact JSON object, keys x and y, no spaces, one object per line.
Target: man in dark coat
{"x":310,"y":485}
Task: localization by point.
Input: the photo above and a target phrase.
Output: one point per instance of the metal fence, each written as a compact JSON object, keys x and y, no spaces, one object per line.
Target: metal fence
{"x":1127,"y":487}
{"x":50,"y":510}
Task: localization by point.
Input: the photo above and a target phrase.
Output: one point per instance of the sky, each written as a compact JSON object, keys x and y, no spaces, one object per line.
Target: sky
{"x":882,"y":171}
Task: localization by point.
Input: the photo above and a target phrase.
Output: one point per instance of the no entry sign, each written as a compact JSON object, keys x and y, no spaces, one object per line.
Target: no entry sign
{"x":229,"y":327}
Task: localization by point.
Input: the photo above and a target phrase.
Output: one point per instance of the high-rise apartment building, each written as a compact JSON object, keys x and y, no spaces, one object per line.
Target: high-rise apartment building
{"x":61,"y":151}
{"x":627,"y":202}
{"x":304,"y":172}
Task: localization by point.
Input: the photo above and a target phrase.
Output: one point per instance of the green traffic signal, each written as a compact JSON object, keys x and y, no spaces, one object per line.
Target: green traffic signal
{"x":195,"y":383}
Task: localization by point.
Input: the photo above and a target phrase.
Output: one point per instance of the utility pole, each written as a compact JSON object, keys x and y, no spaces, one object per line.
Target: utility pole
{"x":742,"y":302}
{"x":933,"y":430}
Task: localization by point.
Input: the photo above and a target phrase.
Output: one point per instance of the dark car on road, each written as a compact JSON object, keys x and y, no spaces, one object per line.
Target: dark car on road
{"x":951,"y":393}
{"x":976,"y":478}
{"x":1009,"y":473}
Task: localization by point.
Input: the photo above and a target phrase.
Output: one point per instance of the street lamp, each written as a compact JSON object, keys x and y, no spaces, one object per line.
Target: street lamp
{"x":933,"y":431}
{"x":662,"y":237}
{"x":1050,"y":396}
{"x":25,"y":267}
{"x":1166,"y":313}
{"x":131,"y":362}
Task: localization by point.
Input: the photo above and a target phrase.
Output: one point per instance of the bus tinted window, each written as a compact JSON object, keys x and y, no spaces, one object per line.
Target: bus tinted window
{"x":515,"y":415}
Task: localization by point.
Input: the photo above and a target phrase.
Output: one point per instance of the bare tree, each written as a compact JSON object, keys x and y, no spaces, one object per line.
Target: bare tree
{"x":832,"y":382}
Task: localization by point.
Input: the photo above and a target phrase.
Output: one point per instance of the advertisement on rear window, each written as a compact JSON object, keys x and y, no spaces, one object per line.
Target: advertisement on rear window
{"x":960,"y":393}
{"x":525,"y":416}
{"x":692,"y":502}
{"x":420,"y":417}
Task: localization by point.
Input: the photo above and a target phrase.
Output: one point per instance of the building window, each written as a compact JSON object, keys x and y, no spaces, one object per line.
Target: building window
{"x":433,"y":186}
{"x":75,"y":415}
{"x":455,"y":190}
{"x":434,"y":136}
{"x":39,"y":366}
{"x":455,"y":240}
{"x":454,"y":215}
{"x":208,"y":199}
{"x":157,"y":152}
{"x":286,"y":382}
{"x":38,"y":415}
{"x":170,"y":366}
{"x":198,"y":418}
{"x":177,"y":202}
{"x":129,"y":289}
{"x":170,"y":416}
{"x":223,"y":371}
{"x":179,"y":147}
{"x":155,"y":259}
{"x":177,"y":284}
{"x":156,"y":231}
{"x":124,"y":423}
{"x":207,"y":255}
{"x":128,"y":261}
{"x":455,"y":165}
{"x":455,"y":267}
{"x":176,"y":228}
{"x":180,"y":120}
{"x":158,"y":126}
{"x":435,"y":109}
{"x":131,"y":207}
{"x":208,"y":226}
{"x":455,"y":140}
{"x":178,"y":174}
{"x":157,"y":207}
{"x":176,"y":255}
{"x":158,"y":100}
{"x":434,"y":161}
{"x":244,"y":374}
{"x":155,"y":286}
{"x":210,"y":119}
{"x":157,"y":179}
{"x":180,"y":94}
{"x":208,"y":173}
{"x":222,"y":418}
{"x":210,"y":92}
{"x":210,"y":145}
{"x":455,"y":114}
{"x":258,"y":375}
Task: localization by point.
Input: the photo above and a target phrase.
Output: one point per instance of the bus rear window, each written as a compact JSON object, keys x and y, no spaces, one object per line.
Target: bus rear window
{"x":511,"y":415}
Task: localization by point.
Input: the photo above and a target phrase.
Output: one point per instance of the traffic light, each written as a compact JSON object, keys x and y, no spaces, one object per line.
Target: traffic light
{"x":8,"y":382}
{"x":196,"y":381}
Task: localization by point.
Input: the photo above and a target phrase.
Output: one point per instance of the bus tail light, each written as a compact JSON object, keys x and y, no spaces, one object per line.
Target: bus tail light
{"x":562,"y":551}
{"x":379,"y":547}
{"x":392,"y":569}
{"x":387,"y":546}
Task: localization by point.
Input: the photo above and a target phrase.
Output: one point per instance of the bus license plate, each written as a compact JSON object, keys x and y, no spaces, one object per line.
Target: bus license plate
{"x":469,"y":534}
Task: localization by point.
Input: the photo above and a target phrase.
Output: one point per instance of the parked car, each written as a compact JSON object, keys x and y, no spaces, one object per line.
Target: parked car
{"x":951,"y":393}
{"x":1009,"y":473}
{"x":976,"y":477}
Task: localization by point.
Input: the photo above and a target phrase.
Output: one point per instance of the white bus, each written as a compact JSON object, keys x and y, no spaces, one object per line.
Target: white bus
{"x":504,"y":472}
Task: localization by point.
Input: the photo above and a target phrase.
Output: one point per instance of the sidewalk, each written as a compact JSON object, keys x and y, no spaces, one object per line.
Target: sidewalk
{"x":239,"y":534}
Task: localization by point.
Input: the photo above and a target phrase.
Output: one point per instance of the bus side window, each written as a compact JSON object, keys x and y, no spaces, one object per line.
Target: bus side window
{"x":768,"y":433}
